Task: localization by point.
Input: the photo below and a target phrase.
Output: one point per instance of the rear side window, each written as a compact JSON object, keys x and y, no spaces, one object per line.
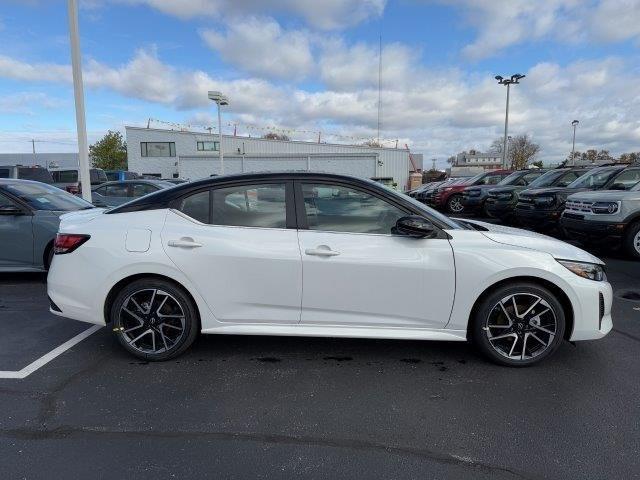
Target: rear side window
{"x":141,"y":189}
{"x":262,"y":205}
{"x":490,"y":180}
{"x":117,"y":190}
{"x":197,"y":206}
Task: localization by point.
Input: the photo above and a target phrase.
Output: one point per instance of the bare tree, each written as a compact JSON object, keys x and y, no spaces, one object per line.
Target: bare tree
{"x":276,"y":136}
{"x":522,"y":150}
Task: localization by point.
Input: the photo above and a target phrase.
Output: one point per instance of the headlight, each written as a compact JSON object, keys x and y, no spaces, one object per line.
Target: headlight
{"x":604,"y":207}
{"x":544,"y":201}
{"x":504,"y":196}
{"x":473,"y":193}
{"x":591,"y":271}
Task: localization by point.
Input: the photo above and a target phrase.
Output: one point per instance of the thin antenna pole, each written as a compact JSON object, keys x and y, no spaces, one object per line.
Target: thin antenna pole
{"x":379,"y":87}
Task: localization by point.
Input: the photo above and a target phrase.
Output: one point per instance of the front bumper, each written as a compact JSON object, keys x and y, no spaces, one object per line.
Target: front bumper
{"x":473,"y":203}
{"x":500,"y":209}
{"x":538,"y":219}
{"x":587,"y":228}
{"x":594,"y":320}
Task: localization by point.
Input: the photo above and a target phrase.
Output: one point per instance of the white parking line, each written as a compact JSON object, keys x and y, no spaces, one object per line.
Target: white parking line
{"x":47,"y":357}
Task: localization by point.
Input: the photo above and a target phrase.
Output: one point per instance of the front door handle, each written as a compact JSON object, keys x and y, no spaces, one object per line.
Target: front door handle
{"x":184,"y":242}
{"x":321,"y":251}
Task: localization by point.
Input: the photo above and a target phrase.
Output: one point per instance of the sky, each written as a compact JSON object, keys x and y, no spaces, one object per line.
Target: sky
{"x":306,"y":66}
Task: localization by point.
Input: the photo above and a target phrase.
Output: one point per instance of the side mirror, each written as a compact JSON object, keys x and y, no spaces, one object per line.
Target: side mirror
{"x":618,"y":186}
{"x":414,"y":226}
{"x":11,"y":210}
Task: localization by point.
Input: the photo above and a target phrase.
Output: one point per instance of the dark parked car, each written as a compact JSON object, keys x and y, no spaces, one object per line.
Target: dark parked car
{"x":474,"y":198}
{"x":23,"y":172}
{"x":29,"y":218}
{"x":68,"y":179}
{"x":449,"y":197}
{"x":112,"y":194}
{"x":502,"y":199}
{"x":540,"y":208}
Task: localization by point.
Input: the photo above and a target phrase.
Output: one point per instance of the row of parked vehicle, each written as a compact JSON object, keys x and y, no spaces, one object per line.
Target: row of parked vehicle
{"x":589,"y":204}
{"x":109,"y":188}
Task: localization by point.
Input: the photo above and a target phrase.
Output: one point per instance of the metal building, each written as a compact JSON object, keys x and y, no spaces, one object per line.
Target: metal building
{"x":193,"y":155}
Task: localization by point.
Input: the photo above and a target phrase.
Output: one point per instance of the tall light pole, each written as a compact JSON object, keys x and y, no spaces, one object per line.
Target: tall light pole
{"x":78,"y":91}
{"x":515,"y":79}
{"x":220,"y":100}
{"x":573,"y":148}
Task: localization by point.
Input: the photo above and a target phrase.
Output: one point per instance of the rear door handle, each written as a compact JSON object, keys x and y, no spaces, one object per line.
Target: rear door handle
{"x":184,"y":242}
{"x":321,"y":251}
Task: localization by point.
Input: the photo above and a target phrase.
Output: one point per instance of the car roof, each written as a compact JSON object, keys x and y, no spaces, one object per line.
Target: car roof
{"x":133,"y":180}
{"x":14,"y":181}
{"x":165,"y":196}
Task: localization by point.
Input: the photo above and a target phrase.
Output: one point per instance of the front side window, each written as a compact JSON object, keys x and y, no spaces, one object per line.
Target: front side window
{"x":158,"y":149}
{"x":261,"y":205}
{"x":626,"y":179}
{"x":335,"y":208}
{"x":208,"y":146}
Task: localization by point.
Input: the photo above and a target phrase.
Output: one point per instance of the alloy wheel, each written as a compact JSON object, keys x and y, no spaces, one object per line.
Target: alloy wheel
{"x":521,"y":326}
{"x":455,"y":204}
{"x":152,"y":321}
{"x":636,"y":242}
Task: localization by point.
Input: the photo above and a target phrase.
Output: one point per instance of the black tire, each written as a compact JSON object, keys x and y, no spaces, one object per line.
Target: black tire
{"x":485,"y":210}
{"x":631,"y":240}
{"x":454,"y":204}
{"x":490,"y":310}
{"x":176,"y":303}
{"x":48,"y":257}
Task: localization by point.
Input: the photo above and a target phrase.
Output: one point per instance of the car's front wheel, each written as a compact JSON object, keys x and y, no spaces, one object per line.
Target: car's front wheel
{"x":154,"y":319}
{"x":518,"y":325}
{"x":631,"y":240}
{"x":454,"y":204}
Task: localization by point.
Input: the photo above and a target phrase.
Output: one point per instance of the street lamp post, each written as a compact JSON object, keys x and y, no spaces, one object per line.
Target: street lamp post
{"x":515,"y":79}
{"x":220,"y":100}
{"x":78,"y":90}
{"x":573,"y":148}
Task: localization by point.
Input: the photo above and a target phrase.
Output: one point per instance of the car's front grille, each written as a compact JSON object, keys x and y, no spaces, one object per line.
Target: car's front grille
{"x":578,"y":206}
{"x":574,"y":216}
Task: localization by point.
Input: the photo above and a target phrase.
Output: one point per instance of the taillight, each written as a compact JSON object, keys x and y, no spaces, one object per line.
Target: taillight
{"x":74,"y":189}
{"x":68,"y":242}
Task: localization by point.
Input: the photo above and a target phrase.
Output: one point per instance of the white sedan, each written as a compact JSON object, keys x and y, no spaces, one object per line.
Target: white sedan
{"x":319,"y":255}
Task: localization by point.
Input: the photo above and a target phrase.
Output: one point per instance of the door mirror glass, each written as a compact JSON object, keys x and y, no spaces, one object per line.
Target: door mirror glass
{"x":10,"y":210}
{"x":415,"y":226}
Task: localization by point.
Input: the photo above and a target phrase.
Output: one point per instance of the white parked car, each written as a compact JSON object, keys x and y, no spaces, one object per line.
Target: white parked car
{"x":319,"y":255}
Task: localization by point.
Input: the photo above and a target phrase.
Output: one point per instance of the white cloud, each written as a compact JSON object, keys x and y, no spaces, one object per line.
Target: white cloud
{"x":258,"y":45}
{"x":440,"y":111}
{"x":503,"y":23}
{"x":323,"y":14}
{"x":27,"y":102}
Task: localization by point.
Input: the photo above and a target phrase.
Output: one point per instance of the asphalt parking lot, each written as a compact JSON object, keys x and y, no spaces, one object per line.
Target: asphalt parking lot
{"x":270,"y":407}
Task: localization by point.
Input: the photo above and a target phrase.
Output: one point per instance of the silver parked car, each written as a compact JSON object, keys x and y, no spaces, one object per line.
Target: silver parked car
{"x":29,"y":218}
{"x":112,"y":194}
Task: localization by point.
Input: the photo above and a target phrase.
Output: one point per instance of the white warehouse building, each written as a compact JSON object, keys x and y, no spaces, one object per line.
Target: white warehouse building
{"x":193,"y":155}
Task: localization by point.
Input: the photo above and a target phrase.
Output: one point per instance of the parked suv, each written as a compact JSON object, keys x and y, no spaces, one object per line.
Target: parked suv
{"x":474,"y":198}
{"x":502,"y":199}
{"x":68,"y":179}
{"x":23,"y":172}
{"x":449,"y":197}
{"x":611,"y":215}
{"x":540,"y":208}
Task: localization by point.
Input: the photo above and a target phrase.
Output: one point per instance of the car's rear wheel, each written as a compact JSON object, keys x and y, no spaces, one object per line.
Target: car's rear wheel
{"x":518,"y":325}
{"x":454,"y":204}
{"x":154,"y":319}
{"x":631,"y":241}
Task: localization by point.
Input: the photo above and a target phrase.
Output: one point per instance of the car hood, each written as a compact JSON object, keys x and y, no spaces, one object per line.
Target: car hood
{"x":534,"y":241}
{"x":534,"y":192}
{"x":605,"y":195}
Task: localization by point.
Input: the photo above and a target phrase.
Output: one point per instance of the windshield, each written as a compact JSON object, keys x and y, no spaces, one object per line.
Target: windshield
{"x":472,"y":180}
{"x":510,"y":178}
{"x":595,"y":178}
{"x":547,"y":179}
{"x":40,"y":196}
